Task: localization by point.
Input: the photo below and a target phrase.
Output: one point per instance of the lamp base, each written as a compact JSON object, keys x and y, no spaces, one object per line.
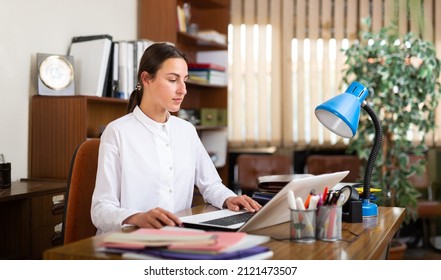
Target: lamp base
{"x":369,"y":209}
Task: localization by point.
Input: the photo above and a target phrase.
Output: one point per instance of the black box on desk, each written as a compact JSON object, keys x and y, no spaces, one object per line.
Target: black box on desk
{"x":352,"y":212}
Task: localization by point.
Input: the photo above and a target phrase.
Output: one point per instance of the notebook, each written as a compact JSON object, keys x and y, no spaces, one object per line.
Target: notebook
{"x":273,"y":213}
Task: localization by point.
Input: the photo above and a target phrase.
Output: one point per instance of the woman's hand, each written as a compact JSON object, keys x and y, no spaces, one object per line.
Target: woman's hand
{"x":155,"y":218}
{"x":236,"y":203}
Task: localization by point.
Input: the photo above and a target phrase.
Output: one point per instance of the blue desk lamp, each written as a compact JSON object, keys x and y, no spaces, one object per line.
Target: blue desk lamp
{"x":340,"y":115}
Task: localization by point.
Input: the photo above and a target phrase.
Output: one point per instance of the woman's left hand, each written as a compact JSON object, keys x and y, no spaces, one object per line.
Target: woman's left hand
{"x":236,"y":203}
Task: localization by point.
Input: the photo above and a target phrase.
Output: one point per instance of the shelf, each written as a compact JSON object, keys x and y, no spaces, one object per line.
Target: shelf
{"x":209,"y":4}
{"x":193,"y":42}
{"x":202,"y":84}
{"x":61,"y":123}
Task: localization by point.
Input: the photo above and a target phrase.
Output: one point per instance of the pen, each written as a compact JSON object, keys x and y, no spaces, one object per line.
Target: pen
{"x":308,"y":199}
{"x":313,"y":202}
{"x":295,"y":219}
{"x":300,"y":204}
{"x":325,"y":195}
{"x":291,"y":200}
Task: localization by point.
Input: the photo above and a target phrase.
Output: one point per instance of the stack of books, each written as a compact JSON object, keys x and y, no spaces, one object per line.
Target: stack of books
{"x":208,"y":73}
{"x":185,"y":244}
{"x":268,"y":186}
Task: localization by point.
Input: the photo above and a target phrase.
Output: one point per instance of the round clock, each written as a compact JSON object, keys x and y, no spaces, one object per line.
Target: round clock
{"x":349,"y":193}
{"x":56,"y":72}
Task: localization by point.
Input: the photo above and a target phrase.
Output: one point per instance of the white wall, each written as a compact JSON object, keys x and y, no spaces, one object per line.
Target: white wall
{"x":46,"y":26}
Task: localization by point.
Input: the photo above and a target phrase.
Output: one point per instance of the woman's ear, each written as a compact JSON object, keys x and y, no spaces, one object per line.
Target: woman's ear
{"x":145,"y":78}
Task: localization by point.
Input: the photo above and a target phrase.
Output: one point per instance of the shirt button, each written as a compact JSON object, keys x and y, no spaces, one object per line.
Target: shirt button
{"x":170,"y":191}
{"x":166,"y":144}
{"x":171,"y":168}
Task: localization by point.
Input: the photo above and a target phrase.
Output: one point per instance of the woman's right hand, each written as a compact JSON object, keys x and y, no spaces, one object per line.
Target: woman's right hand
{"x":155,"y":218}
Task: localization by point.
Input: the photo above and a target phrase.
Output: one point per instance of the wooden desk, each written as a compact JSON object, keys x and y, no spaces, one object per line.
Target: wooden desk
{"x":367,"y":240}
{"x":29,"y":212}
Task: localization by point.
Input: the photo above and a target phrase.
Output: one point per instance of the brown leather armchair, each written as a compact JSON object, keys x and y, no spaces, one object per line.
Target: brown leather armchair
{"x":250,"y":166}
{"x":320,"y":164}
{"x":77,"y":223}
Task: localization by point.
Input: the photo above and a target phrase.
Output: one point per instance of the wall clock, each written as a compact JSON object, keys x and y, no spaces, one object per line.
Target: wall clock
{"x":55,"y":74}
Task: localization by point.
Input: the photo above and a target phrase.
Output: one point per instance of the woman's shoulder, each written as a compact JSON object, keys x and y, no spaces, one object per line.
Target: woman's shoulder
{"x":121,"y":123}
{"x":176,"y":121}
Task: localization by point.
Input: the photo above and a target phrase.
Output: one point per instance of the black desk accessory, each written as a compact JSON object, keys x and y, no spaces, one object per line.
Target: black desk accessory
{"x":352,"y":208}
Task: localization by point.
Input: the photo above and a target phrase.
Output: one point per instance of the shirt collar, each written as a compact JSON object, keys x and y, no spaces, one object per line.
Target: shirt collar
{"x":153,"y":126}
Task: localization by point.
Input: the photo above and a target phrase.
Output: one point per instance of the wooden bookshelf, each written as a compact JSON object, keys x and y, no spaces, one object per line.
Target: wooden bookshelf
{"x":60,"y":123}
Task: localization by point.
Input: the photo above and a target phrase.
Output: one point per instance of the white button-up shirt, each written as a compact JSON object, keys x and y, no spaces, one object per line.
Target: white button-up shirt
{"x":143,"y":164}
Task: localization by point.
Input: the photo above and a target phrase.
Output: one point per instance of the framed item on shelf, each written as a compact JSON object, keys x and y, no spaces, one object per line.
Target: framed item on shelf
{"x":55,"y":74}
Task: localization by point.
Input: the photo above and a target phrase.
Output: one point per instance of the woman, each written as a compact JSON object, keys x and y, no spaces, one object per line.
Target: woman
{"x":149,"y":160}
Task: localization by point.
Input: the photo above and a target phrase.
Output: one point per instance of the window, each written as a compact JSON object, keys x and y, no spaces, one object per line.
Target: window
{"x":285,"y":58}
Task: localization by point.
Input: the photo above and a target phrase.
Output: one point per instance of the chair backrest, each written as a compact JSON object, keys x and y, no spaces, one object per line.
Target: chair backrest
{"x":320,"y":164}
{"x":77,"y":223}
{"x":250,"y":166}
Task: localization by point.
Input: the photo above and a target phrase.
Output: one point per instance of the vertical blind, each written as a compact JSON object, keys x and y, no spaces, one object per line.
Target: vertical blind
{"x":285,"y":58}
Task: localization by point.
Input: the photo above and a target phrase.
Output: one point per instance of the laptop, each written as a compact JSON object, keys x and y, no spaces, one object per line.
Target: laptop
{"x":274,"y":212}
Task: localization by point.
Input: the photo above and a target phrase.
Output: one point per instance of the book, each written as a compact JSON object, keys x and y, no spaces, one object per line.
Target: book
{"x":276,"y":182}
{"x":205,"y":66}
{"x":214,"y":77}
{"x":92,"y":55}
{"x":142,"y":238}
{"x":234,"y":255}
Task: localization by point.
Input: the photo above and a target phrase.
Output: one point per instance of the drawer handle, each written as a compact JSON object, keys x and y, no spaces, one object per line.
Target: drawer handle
{"x":56,"y":239}
{"x":58,"y":208}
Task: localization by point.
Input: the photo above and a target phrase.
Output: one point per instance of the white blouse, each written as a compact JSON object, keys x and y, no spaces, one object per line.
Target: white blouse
{"x":143,"y":164}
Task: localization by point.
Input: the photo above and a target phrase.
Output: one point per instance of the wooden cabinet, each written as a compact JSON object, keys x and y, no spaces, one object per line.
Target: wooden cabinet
{"x":31,"y":213}
{"x":157,"y":21}
{"x":60,"y":123}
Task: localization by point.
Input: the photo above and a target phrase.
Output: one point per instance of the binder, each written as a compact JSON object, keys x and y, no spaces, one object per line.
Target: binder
{"x":92,"y":63}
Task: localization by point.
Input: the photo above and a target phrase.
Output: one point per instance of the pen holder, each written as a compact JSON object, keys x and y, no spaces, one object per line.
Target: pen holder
{"x":329,"y":223}
{"x":302,"y":225}
{"x":5,"y":175}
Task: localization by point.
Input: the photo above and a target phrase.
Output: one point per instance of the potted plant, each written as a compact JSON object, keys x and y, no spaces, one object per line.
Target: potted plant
{"x":401,"y":73}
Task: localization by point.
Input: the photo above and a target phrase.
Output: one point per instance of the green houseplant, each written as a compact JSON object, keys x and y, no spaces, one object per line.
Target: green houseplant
{"x":401,"y":73}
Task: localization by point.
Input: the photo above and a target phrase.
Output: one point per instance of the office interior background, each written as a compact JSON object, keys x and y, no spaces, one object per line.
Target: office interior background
{"x":49,"y":26}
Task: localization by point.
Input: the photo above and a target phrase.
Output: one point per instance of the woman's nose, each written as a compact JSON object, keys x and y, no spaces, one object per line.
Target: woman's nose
{"x":182,"y":89}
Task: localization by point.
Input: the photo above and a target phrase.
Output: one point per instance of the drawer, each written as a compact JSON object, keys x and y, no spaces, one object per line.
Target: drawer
{"x":47,"y":209}
{"x":43,"y":238}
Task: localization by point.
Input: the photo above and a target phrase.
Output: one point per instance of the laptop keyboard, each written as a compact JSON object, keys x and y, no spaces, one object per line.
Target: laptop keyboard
{"x":231,"y":220}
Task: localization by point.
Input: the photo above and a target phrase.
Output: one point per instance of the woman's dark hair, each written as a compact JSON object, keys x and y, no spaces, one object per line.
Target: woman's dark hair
{"x":151,"y":61}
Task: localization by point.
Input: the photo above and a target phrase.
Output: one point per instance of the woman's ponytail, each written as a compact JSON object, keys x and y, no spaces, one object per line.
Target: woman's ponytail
{"x":135,"y":98}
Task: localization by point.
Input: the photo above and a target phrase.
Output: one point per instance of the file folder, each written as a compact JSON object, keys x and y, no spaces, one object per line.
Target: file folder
{"x":92,"y":63}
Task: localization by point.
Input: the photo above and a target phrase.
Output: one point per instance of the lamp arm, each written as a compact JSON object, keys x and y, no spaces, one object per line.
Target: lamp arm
{"x":374,"y":152}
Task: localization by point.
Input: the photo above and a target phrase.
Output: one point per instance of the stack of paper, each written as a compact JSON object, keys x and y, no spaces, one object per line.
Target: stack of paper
{"x":270,"y":185}
{"x":209,"y":73}
{"x":186,"y":244}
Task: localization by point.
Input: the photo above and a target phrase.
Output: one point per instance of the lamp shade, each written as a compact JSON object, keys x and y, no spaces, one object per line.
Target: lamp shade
{"x":341,"y":113}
